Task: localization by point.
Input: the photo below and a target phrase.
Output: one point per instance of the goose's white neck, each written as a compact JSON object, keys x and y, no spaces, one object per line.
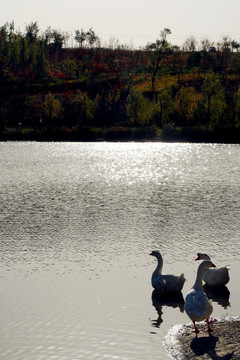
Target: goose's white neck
{"x":158,"y":270}
{"x":198,"y":283}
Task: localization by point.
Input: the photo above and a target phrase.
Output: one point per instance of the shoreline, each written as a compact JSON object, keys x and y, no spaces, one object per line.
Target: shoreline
{"x":152,"y":140}
{"x":121,"y":134}
{"x":223,"y":343}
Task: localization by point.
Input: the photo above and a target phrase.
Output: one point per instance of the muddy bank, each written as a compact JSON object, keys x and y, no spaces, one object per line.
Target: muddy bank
{"x":223,"y":343}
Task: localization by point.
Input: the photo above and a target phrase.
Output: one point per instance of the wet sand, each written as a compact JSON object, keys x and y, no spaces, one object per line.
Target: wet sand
{"x":223,"y":343}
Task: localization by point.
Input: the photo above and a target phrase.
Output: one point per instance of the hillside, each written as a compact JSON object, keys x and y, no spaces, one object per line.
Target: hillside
{"x":48,"y":92}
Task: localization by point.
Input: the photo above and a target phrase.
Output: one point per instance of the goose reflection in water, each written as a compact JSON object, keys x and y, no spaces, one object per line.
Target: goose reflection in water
{"x":219,"y":295}
{"x":173,"y":300}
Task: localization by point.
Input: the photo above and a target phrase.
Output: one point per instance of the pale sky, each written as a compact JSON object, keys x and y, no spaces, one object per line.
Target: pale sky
{"x":132,"y":22}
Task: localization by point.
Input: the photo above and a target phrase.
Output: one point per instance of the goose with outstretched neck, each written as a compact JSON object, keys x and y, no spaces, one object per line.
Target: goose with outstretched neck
{"x":165,"y":283}
{"x":214,"y":277}
{"x":197,"y":305}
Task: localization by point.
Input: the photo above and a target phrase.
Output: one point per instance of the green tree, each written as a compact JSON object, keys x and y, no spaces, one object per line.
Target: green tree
{"x":69,"y":66}
{"x":186,"y":103}
{"x":91,"y":37}
{"x":33,"y":108}
{"x":235,"y":45}
{"x":85,"y":108}
{"x":25,"y":52}
{"x":32,"y":30}
{"x":42,"y":63}
{"x":237,"y":108}
{"x":3,"y":45}
{"x":213,"y":98}
{"x":139,"y":109}
{"x":10,"y":46}
{"x":164,"y":106}
{"x":80,"y":37}
{"x":52,"y":108}
{"x":58,"y":39}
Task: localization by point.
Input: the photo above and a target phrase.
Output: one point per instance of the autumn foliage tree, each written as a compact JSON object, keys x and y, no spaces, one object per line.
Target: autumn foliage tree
{"x":186,"y":103}
{"x":139,"y":109}
{"x":52,"y":108}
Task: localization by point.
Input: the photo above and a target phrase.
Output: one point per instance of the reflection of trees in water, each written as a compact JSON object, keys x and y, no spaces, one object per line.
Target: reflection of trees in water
{"x":173,"y":300}
{"x":219,"y":295}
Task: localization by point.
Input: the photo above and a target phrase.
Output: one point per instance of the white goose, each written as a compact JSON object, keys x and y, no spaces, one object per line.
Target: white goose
{"x":165,"y":283}
{"x":214,"y":277}
{"x":197,"y":305}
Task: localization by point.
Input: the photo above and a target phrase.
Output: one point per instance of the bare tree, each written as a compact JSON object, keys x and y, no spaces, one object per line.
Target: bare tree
{"x":91,"y":37}
{"x":80,"y":37}
{"x":190,"y":44}
{"x":206,"y":44}
{"x":160,"y":47}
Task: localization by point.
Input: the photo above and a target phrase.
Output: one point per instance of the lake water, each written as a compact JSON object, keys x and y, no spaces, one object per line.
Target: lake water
{"x":78,"y":221}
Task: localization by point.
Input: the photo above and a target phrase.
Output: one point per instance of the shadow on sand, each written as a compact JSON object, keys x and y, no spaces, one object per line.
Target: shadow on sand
{"x":207,"y":345}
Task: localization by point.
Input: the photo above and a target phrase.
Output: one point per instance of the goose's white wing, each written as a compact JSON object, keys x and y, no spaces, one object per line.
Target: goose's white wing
{"x":168,"y":283}
{"x":216,"y":277}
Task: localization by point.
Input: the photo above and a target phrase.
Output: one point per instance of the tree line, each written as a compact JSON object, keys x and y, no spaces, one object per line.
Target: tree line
{"x":49,"y":91}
